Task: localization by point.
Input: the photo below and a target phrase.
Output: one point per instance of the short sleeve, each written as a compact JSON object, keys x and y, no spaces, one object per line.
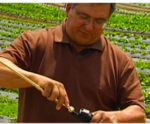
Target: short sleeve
{"x":130,"y":91}
{"x":20,"y":51}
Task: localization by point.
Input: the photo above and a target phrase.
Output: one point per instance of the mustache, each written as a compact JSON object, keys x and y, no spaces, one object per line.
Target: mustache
{"x":86,"y":32}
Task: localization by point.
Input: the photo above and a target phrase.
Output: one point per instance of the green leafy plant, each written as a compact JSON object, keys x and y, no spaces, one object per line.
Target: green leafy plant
{"x":8,"y":107}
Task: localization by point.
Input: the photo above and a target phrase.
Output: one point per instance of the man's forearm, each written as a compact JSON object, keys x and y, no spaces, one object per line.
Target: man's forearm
{"x":8,"y":79}
{"x":132,"y":114}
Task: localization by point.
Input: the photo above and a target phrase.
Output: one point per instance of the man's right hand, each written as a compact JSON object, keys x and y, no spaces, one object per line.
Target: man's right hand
{"x":52,"y":90}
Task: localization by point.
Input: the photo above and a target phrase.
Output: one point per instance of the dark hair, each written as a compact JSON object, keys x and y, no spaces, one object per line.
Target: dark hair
{"x":112,"y":9}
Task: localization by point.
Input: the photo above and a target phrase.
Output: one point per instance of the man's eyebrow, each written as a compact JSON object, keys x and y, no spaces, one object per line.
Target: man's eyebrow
{"x":99,"y":18}
{"x":82,"y":13}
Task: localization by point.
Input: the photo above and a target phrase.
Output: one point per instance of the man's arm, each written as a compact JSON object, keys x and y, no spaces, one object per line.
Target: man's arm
{"x":51,"y":89}
{"x":8,"y":79}
{"x":132,"y":114}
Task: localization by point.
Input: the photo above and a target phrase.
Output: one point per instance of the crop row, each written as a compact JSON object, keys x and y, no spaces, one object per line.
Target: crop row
{"x":129,"y":35}
{"x":141,"y":4}
{"x":131,"y":12}
{"x":15,"y":26}
{"x":23,"y":22}
{"x":129,"y":46}
{"x":134,"y":43}
{"x":128,"y":22}
{"x":5,"y":39}
{"x":10,"y":28}
{"x":132,"y":46}
{"x":8,"y":34}
{"x":33,"y":10}
{"x":139,"y":56}
{"x":135,"y":50}
{"x":127,"y":31}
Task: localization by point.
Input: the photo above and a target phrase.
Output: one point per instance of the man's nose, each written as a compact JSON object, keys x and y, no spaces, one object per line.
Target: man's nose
{"x":89,"y":25}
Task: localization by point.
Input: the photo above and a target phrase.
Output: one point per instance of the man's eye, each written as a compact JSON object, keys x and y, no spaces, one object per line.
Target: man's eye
{"x":83,"y":16}
{"x":100,"y":21}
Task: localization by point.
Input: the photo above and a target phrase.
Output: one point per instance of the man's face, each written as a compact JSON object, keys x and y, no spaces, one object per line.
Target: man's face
{"x":84,"y":23}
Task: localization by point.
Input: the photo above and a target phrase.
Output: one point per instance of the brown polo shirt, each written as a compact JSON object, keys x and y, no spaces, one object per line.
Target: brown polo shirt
{"x":99,"y":77}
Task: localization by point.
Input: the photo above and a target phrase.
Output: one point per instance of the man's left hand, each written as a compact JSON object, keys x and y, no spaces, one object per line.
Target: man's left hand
{"x":104,"y":117}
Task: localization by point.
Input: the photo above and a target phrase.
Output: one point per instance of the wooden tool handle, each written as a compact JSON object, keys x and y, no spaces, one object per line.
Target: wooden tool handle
{"x":23,"y":77}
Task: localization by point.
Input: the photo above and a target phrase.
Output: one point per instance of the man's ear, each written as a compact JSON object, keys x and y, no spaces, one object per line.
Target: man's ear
{"x":68,"y":7}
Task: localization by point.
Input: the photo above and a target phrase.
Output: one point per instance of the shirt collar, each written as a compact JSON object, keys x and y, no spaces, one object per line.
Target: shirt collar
{"x":61,"y":36}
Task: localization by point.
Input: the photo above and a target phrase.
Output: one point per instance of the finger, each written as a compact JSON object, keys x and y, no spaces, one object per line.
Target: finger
{"x":47,"y":90}
{"x":63,"y":98}
{"x":63,"y":93}
{"x":59,"y":103}
{"x":94,"y":119}
{"x":67,"y":103}
{"x":97,"y":117}
{"x":54,"y":94}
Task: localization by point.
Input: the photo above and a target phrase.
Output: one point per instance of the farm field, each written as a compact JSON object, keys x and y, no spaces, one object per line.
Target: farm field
{"x":129,"y":28}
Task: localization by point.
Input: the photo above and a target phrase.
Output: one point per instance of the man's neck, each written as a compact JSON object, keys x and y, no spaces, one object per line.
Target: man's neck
{"x":78,"y":47}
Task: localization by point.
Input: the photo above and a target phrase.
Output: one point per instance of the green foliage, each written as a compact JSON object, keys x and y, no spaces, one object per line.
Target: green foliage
{"x":131,"y":12}
{"x":33,"y":10}
{"x":4,"y":46}
{"x":14,"y":91}
{"x":147,"y":111}
{"x":142,"y":4}
{"x":145,"y":80}
{"x":8,"y":107}
{"x":130,"y":22}
{"x":142,"y":64}
{"x":132,"y":46}
{"x":147,"y":96}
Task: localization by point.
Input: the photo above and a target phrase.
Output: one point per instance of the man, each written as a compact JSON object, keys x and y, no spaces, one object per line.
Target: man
{"x":75,"y":64}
